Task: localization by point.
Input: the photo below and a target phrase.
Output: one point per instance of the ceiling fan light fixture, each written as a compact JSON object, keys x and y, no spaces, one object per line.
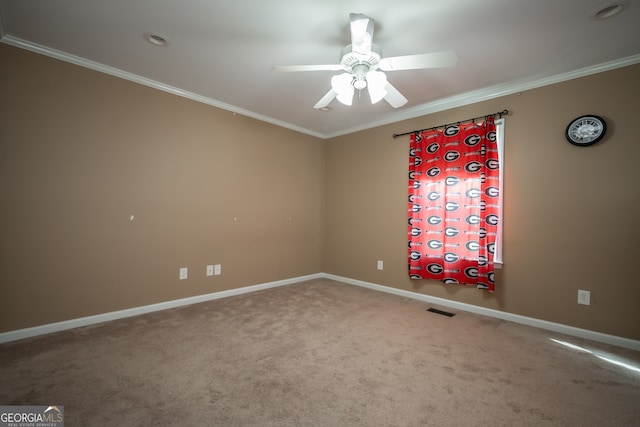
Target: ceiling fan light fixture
{"x":341,"y":83}
{"x":360,"y":83}
{"x":377,"y":83}
{"x":360,"y":76}
{"x":345,"y":97}
{"x":360,"y":61}
{"x":343,"y":87}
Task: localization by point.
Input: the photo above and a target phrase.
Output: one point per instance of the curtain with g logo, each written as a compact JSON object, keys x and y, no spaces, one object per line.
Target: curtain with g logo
{"x":453,"y":204}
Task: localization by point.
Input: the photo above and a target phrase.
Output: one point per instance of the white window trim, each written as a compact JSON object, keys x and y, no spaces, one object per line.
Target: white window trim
{"x":497,"y":256}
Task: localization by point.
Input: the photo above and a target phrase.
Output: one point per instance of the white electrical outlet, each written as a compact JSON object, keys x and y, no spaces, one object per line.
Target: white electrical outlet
{"x":584,"y":297}
{"x":217,"y":269}
{"x":209,"y":270}
{"x":184,"y":273}
{"x":380,"y":265}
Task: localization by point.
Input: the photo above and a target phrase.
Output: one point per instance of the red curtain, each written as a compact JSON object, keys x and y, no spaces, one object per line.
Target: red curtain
{"x":453,"y":204}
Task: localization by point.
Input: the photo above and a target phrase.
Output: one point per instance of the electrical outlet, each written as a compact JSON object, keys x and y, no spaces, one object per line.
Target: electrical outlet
{"x":380,"y":265}
{"x":184,"y":273}
{"x":217,"y":269}
{"x":584,"y":297}
{"x":209,"y":270}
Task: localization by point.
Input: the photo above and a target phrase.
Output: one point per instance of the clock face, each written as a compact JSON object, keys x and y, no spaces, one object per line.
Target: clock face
{"x":586,"y":130}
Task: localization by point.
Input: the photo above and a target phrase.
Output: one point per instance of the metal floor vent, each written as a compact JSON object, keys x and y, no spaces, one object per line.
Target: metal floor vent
{"x":444,"y":313}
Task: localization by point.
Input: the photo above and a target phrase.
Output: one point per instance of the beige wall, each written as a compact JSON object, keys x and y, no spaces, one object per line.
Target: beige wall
{"x":571,"y":213}
{"x":81,"y":151}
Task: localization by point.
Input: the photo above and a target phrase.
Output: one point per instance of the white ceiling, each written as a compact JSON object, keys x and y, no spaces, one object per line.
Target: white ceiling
{"x":221,"y":51}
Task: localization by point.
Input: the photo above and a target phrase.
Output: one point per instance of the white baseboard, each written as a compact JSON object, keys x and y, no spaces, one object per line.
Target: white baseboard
{"x":529,"y":321}
{"x":105,"y":317}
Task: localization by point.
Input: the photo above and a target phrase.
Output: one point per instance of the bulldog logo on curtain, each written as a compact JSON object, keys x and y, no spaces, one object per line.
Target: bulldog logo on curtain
{"x":453,"y":204}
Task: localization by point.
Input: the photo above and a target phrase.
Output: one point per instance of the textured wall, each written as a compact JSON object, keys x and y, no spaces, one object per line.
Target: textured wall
{"x":571,"y":213}
{"x":82,"y":151}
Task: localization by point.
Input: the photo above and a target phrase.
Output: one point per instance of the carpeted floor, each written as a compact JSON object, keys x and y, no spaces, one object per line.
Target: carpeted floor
{"x":320,"y":353}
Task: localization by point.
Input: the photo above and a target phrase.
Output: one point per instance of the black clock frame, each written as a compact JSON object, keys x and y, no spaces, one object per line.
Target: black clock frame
{"x":585,"y":144}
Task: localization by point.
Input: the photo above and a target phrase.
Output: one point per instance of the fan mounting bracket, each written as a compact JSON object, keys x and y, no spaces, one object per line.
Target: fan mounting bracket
{"x":352,"y":61}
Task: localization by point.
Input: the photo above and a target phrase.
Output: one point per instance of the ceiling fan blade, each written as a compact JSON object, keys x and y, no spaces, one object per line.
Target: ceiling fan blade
{"x":394,"y":97}
{"x":325,"y":100}
{"x":424,"y":60}
{"x":361,"y":33}
{"x":290,"y":68}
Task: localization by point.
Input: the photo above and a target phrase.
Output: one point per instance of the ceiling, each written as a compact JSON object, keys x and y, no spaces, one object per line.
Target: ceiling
{"x":221,"y":52}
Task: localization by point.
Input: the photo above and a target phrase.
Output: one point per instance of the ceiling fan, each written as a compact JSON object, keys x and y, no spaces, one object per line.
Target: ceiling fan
{"x":361,"y":62}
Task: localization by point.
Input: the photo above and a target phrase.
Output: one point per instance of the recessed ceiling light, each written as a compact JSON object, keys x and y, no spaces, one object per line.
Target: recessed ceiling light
{"x":325,"y":109}
{"x":608,"y":10}
{"x":156,"y":40}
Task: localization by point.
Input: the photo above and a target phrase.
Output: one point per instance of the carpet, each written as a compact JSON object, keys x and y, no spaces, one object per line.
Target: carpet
{"x":321,"y":353}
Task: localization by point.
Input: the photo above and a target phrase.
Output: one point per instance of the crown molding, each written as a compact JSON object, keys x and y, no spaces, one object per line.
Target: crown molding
{"x":491,"y":93}
{"x":116,"y":72}
{"x":405,"y":114}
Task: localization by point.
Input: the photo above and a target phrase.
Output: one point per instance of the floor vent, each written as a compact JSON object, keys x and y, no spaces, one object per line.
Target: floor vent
{"x":444,"y":313}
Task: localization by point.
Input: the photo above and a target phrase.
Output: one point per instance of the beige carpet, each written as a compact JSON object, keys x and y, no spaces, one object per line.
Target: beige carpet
{"x":319,"y":353}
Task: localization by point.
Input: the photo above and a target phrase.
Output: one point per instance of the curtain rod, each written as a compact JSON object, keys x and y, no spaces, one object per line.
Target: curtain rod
{"x":499,"y":113}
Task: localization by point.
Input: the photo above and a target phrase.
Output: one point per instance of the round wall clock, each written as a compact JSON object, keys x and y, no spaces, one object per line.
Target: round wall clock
{"x":586,"y":130}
